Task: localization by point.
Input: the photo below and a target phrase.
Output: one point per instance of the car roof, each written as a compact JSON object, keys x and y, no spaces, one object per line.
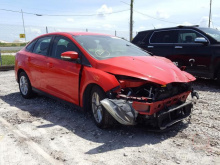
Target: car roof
{"x":76,"y":33}
{"x":177,"y":27}
{"x":73,"y":33}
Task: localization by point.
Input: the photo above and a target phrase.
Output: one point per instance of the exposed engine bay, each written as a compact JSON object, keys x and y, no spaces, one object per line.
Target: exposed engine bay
{"x":139,"y":101}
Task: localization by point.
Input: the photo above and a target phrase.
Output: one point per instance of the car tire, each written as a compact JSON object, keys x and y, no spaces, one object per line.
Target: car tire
{"x":25,"y":86}
{"x":100,"y":115}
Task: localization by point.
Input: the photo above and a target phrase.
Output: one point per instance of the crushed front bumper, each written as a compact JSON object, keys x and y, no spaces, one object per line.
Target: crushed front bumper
{"x":170,"y":116}
{"x":165,"y":115}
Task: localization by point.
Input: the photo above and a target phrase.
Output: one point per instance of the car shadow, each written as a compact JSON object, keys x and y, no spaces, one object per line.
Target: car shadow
{"x":81,"y":124}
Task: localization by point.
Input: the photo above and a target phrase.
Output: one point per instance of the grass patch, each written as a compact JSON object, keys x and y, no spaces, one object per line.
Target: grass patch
{"x":12,"y":44}
{"x":8,"y":60}
{"x":9,"y":51}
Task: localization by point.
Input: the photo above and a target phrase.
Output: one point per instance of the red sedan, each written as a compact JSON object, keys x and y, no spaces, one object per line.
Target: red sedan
{"x":112,"y":78}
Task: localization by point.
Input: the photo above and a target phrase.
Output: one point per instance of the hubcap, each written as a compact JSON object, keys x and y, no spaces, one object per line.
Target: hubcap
{"x":23,"y":85}
{"x":96,"y":107}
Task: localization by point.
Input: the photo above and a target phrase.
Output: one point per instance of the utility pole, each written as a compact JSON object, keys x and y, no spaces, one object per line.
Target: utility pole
{"x":131,"y":21}
{"x":23,"y":25}
{"x":210,"y":12}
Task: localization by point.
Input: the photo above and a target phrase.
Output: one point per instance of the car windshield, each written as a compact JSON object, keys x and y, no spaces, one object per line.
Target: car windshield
{"x":104,"y":47}
{"x":212,"y":32}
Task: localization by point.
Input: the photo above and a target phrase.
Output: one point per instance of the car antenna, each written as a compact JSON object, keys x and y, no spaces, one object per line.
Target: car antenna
{"x":153,"y":26}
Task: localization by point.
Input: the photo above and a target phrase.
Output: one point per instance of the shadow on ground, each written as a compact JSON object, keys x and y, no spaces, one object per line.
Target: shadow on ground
{"x":81,"y":124}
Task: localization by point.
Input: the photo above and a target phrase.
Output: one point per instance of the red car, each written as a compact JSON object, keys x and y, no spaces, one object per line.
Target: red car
{"x":113,"y":78}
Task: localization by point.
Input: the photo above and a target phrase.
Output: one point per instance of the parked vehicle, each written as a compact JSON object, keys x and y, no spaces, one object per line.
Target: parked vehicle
{"x":195,"y":47}
{"x":113,"y":78}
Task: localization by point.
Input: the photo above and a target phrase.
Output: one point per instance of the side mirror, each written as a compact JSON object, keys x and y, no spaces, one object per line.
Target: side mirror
{"x":201,"y":40}
{"x":69,"y":55}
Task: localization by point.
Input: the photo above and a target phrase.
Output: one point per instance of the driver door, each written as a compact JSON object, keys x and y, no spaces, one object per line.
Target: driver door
{"x":195,"y":56}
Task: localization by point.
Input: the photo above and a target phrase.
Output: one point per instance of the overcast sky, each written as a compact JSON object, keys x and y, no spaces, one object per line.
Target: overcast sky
{"x":102,"y":15}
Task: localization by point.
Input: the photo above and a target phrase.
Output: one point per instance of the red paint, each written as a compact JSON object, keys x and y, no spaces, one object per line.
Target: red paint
{"x":61,"y":78}
{"x":150,"y":68}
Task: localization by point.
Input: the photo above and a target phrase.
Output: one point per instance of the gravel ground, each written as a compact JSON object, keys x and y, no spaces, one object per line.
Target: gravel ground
{"x":44,"y":131}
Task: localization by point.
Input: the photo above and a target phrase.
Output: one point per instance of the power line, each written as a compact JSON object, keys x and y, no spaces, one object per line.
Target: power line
{"x":151,"y":16}
{"x":156,"y":18}
{"x":86,"y":15}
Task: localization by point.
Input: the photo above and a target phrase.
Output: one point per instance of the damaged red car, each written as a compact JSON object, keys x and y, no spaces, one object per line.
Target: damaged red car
{"x":114,"y":79}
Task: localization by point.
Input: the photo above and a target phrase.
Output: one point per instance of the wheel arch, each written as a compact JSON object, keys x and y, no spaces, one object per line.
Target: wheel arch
{"x":86,"y":96}
{"x":94,"y":77}
{"x":18,"y":73}
{"x":217,"y":69}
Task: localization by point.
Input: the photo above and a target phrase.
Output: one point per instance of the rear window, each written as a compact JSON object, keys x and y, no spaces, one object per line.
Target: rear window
{"x":42,"y":45}
{"x":163,"y":37}
{"x":139,"y":37}
{"x":30,"y":46}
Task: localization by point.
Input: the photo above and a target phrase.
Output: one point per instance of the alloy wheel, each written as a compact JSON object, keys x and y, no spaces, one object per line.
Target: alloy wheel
{"x":23,"y":85}
{"x":97,"y":107}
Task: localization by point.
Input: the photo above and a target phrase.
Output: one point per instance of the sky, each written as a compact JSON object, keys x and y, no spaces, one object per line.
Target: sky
{"x":105,"y":16}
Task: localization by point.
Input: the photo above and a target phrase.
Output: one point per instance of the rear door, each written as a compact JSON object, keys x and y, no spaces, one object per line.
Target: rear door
{"x":63,"y":76}
{"x":37,"y":61}
{"x":161,"y":43}
{"x":196,"y":56}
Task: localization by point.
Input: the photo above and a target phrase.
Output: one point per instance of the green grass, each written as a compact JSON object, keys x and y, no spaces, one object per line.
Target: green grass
{"x":9,"y":51}
{"x":8,"y":60}
{"x":12,"y":44}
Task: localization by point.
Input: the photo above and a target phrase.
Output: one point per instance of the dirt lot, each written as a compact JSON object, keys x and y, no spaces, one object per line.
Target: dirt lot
{"x":45,"y":131}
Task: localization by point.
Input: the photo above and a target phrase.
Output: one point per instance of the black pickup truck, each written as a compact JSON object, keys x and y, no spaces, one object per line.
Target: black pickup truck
{"x":195,"y":47}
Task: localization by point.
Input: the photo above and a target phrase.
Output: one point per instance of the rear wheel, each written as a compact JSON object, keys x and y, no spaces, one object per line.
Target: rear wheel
{"x":101,"y":117}
{"x":25,"y":86}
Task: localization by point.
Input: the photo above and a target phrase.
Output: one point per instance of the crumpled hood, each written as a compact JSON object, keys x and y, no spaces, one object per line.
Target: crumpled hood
{"x":152,"y":68}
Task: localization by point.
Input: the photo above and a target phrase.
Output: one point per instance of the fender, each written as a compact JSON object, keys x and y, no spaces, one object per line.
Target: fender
{"x":94,"y":76}
{"x":22,"y":64}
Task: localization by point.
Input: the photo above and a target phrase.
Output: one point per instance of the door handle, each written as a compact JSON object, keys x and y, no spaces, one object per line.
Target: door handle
{"x":191,"y":61}
{"x":50,"y":65}
{"x":178,"y":47}
{"x":29,"y":59}
{"x":150,"y":46}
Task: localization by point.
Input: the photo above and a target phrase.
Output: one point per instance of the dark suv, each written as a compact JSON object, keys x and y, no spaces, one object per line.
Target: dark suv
{"x":195,"y":47}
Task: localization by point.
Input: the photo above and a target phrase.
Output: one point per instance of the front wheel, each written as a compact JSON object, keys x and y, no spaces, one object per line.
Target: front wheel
{"x":100,"y":115}
{"x":25,"y":86}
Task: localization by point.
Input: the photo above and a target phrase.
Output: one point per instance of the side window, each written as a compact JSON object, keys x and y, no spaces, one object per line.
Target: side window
{"x":163,"y":37}
{"x":62,"y":44}
{"x":30,"y":46}
{"x":187,"y":36}
{"x":139,"y":37}
{"x":42,"y":46}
